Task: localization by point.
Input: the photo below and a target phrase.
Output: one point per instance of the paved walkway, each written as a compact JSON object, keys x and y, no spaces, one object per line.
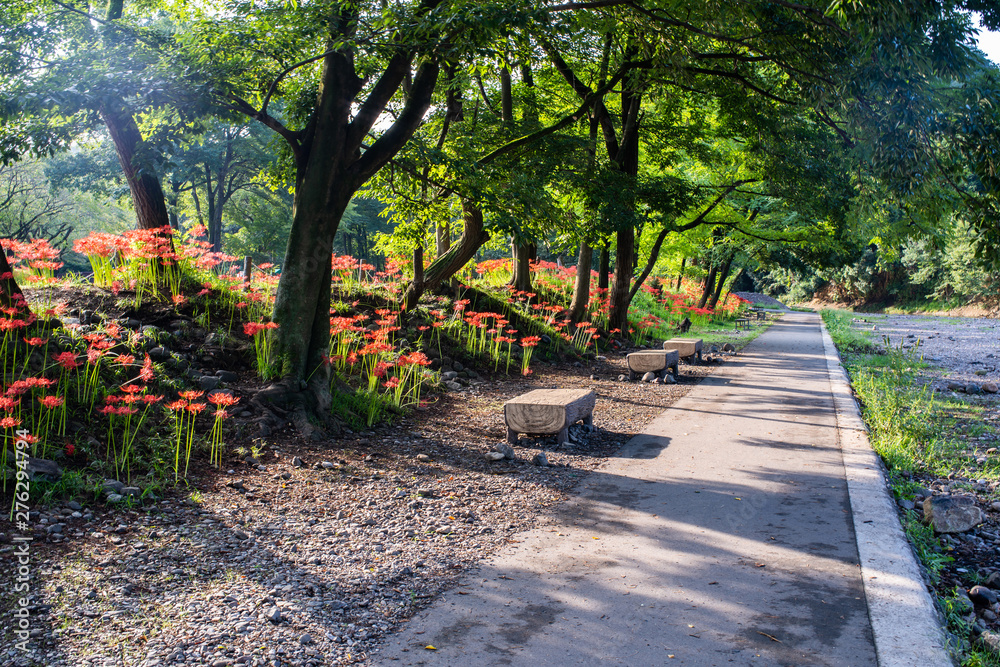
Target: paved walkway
{"x":721,"y":535}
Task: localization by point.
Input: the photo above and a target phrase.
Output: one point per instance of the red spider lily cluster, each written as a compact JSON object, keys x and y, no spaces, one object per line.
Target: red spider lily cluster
{"x":34,"y":261}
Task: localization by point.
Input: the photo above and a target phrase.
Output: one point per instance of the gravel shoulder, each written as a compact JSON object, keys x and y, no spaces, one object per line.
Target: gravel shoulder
{"x":274,"y":563}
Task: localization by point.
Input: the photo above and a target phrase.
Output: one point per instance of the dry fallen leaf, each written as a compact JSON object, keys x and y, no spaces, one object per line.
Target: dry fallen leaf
{"x":430,"y":647}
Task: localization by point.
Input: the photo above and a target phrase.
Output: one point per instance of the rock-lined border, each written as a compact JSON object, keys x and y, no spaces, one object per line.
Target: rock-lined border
{"x":905,"y":623}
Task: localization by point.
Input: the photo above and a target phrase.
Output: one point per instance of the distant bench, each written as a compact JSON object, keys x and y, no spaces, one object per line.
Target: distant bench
{"x":743,"y":322}
{"x":687,"y":348}
{"x":548,"y":411}
{"x":655,"y":361}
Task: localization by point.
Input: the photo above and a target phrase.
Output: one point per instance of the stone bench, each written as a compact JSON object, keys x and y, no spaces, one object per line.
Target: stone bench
{"x":655,"y":361}
{"x":743,"y":322}
{"x":548,"y":411}
{"x":687,"y":348}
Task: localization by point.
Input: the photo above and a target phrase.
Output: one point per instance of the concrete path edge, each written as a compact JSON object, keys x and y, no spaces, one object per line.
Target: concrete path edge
{"x":906,"y":625}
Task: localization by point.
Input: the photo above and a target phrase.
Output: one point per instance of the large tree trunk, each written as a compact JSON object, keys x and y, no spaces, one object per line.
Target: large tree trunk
{"x":521,"y":278}
{"x":444,"y":267}
{"x":723,"y":274}
{"x":620,"y":301}
{"x":581,"y":291}
{"x":147,"y":193}
{"x":604,"y":268}
{"x":709,"y":285}
{"x":10,"y":292}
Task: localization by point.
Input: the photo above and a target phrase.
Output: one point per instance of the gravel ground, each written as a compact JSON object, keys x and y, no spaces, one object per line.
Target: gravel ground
{"x":959,"y":350}
{"x":311,"y":561}
{"x":962,"y":355}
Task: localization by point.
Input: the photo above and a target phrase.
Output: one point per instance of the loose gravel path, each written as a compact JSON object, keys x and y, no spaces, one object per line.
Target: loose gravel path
{"x":959,"y":349}
{"x":274,"y":563}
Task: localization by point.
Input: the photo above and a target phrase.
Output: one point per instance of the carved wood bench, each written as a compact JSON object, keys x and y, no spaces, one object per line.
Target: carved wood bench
{"x":548,"y":411}
{"x":687,"y":348}
{"x":655,"y":361}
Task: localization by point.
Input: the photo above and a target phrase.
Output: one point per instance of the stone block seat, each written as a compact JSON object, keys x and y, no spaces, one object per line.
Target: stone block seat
{"x":548,"y":411}
{"x":687,"y":348}
{"x":655,"y":361}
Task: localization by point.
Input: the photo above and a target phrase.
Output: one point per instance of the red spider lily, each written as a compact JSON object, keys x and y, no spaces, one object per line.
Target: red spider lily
{"x":17,"y":388}
{"x":125,"y":359}
{"x":222,"y":399}
{"x":9,"y":422}
{"x":51,"y":402}
{"x":70,"y":449}
{"x":414,"y":358}
{"x":39,"y":382}
{"x":131,"y":389}
{"x":195,"y":408}
{"x":191,"y":394}
{"x":179,"y":299}
{"x":177,"y":405}
{"x":380,"y":369}
{"x":530,"y":341}
{"x":253,"y":328}
{"x":67,"y":360}
{"x":36,"y":342}
{"x":391,"y":383}
{"x":147,"y":374}
{"x":149,"y":399}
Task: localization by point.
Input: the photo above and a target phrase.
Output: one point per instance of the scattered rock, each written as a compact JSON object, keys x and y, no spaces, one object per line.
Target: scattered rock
{"x":297,"y":462}
{"x":159,"y":354}
{"x":668,"y":378}
{"x":729,"y":347}
{"x":494,"y":456}
{"x":623,"y":378}
{"x":453,"y":386}
{"x":973,"y":388}
{"x":989,"y":641}
{"x":43,"y":468}
{"x":115,"y":498}
{"x":273,"y":614}
{"x":227,"y":376}
{"x":209,"y":382}
{"x":457,"y":367}
{"x":506,"y":450}
{"x":989,"y":387}
{"x":649,"y":376}
{"x":423,"y":458}
{"x":306,"y":639}
{"x":540,"y":459}
{"x":952,"y":514}
{"x":112,"y":486}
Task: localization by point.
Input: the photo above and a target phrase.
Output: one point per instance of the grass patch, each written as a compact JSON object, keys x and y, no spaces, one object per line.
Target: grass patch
{"x":918,"y":434}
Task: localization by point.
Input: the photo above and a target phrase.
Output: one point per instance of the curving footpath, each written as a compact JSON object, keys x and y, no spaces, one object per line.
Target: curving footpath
{"x":728,"y":532}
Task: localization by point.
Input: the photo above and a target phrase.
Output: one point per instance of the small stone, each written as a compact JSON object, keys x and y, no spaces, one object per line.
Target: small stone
{"x":952,"y":514}
{"x":306,"y":639}
{"x":623,"y":378}
{"x":449,"y":375}
{"x":453,"y":386}
{"x":989,"y":387}
{"x":240,"y":535}
{"x":423,"y":458}
{"x":131,"y":491}
{"x":273,"y":614}
{"x":593,"y":377}
{"x":227,"y":376}
{"x":329,"y":465}
{"x":980,"y":372}
{"x":457,"y":367}
{"x":209,"y":382}
{"x":657,"y":380}
{"x":729,"y":347}
{"x":668,"y":378}
{"x":649,"y":376}
{"x":956,"y":386}
{"x":297,"y":462}
{"x":75,"y":506}
{"x":989,"y":641}
{"x":973,"y":388}
{"x":494,"y":456}
{"x":540,"y":459}
{"x":115,"y":498}
{"x":506,"y":450}
{"x":159,"y":354}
